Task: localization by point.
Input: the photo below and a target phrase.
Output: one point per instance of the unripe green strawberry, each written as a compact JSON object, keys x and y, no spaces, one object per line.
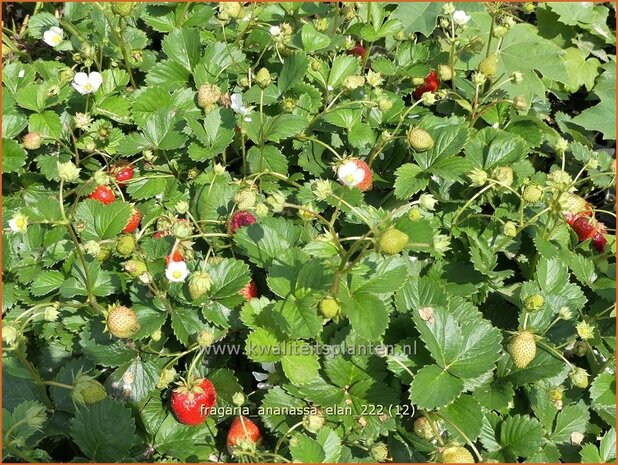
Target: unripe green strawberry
{"x":314,"y":422}
{"x":533,"y":193}
{"x":199,"y":284}
{"x":579,"y":378}
{"x":423,"y":429}
{"x":509,"y":229}
{"x":419,"y":139}
{"x":456,"y":454}
{"x":87,"y":390}
{"x":445,"y":73}
{"x":206,"y":338}
{"x":32,"y":140}
{"x":522,"y":349}
{"x":329,"y":307}
{"x":123,"y":9}
{"x":245,"y":199}
{"x":534,"y":303}
{"x":125,"y":245}
{"x":488,"y":66}
{"x":135,"y":268}
{"x":104,"y":254}
{"x":520,"y":103}
{"x":392,"y":241}
{"x":379,"y":452}
{"x":504,"y":175}
{"x":122,"y":322}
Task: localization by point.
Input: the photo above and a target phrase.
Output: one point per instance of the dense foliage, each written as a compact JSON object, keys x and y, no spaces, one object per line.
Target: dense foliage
{"x":308,"y":232}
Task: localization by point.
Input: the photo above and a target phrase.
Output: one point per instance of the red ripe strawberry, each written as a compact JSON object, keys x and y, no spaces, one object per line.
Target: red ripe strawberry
{"x":431,"y":84}
{"x":249,"y":291}
{"x":176,"y":256}
{"x":584,"y":228}
{"x":358,"y":51}
{"x":122,"y":173}
{"x":239,"y":219}
{"x":599,"y":242}
{"x":103,"y":194}
{"x":243,"y":433}
{"x":133,"y":222}
{"x":349,"y":174}
{"x":191,"y":403}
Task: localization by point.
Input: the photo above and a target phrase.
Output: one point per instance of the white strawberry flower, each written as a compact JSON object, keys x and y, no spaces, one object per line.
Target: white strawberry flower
{"x":350,"y":174}
{"x":87,"y":83}
{"x":53,"y":36}
{"x":176,"y":272}
{"x":19,"y":223}
{"x":274,"y":31}
{"x":239,"y":107}
{"x":460,"y":17}
{"x":265,"y":380}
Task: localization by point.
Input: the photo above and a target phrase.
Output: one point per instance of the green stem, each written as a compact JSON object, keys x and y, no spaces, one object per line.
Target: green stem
{"x":280,"y":441}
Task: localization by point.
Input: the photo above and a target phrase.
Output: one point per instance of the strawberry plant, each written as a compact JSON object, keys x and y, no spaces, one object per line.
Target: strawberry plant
{"x":309,"y":232}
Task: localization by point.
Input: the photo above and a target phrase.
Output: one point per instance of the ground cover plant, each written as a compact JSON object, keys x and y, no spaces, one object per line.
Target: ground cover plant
{"x":309,"y":232}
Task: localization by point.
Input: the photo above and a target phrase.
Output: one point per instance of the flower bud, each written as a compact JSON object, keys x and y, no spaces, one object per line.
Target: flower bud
{"x":182,"y":207}
{"x":427,"y":202}
{"x":166,"y":377}
{"x":561,"y":145}
{"x":478,"y":177}
{"x":565,"y":313}
{"x":322,"y":189}
{"x":238,"y":399}
{"x":9,"y":334}
{"x":579,"y":378}
{"x":219,"y":169}
{"x":276,"y":201}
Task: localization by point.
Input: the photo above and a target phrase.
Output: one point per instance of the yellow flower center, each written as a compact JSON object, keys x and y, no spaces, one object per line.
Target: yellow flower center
{"x":177,"y":274}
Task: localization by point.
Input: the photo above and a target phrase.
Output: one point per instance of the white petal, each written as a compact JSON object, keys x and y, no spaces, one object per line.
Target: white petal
{"x":358,"y":175}
{"x":247,"y":119}
{"x":263,"y":385}
{"x":259,"y":376}
{"x":22,"y":73}
{"x":96,"y":80}
{"x":236,"y":102}
{"x":269,"y":367}
{"x":79,"y":88}
{"x":80,"y":79}
{"x":347,"y":169}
